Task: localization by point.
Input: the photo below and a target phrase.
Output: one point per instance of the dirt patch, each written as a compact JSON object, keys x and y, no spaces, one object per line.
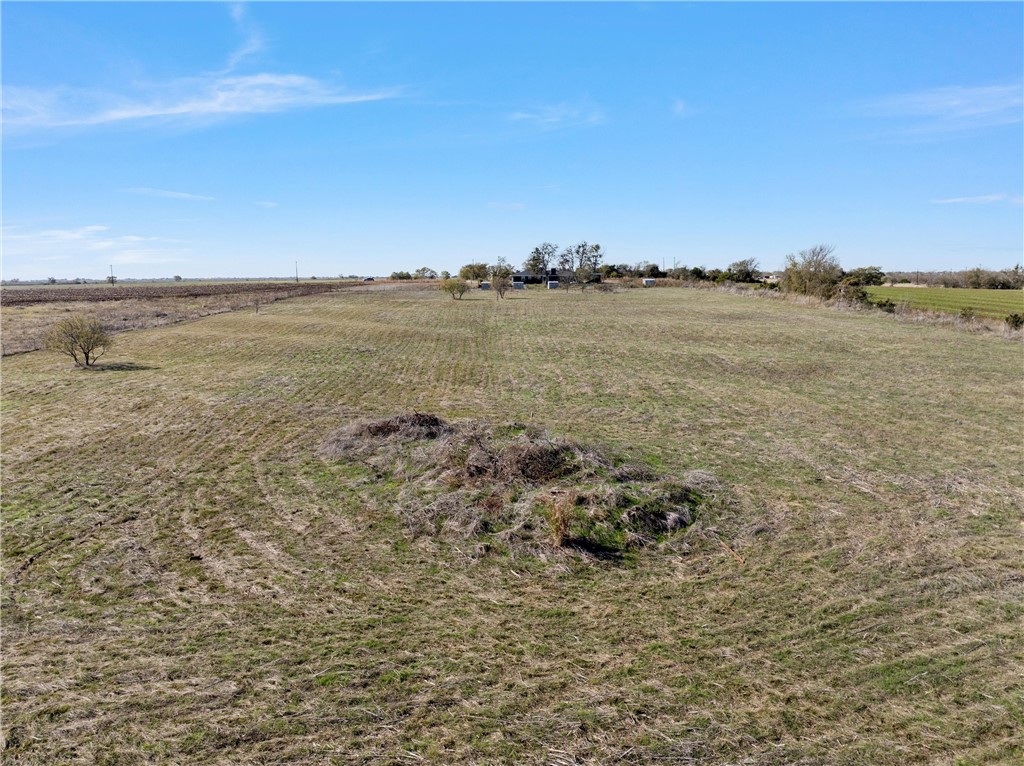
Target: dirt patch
{"x":516,"y":486}
{"x":407,"y":427}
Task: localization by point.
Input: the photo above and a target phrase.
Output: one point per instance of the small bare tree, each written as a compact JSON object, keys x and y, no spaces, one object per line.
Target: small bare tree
{"x":83,"y":339}
{"x":501,"y":285}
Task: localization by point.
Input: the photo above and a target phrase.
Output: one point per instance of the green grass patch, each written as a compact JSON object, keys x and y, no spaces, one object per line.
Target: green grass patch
{"x":994,"y":304}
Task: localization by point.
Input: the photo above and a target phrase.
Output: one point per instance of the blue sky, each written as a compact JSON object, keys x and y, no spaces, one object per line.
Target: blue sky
{"x":208,"y":139}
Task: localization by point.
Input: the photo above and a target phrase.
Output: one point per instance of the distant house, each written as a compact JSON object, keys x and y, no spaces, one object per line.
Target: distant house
{"x":529,"y":278}
{"x":551,"y":275}
{"x":770,"y":278}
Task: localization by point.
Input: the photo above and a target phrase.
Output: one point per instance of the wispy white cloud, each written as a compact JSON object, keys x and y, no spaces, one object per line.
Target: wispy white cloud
{"x":984,"y":199}
{"x":950,"y":109}
{"x":169,"y":194}
{"x":192,"y":98}
{"x":202,"y":98}
{"x":253,"y":39}
{"x":506,"y":205}
{"x":264,"y":203}
{"x":86,"y":245}
{"x":58,"y":235}
{"x":680,"y":108}
{"x":558,"y":116}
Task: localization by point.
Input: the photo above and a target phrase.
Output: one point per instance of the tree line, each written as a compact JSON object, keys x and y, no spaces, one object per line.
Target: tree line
{"x":978,"y":278}
{"x":815,"y":271}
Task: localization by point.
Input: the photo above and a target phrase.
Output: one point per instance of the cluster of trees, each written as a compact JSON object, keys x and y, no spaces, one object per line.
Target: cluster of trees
{"x":475,"y":271}
{"x":577,"y":265}
{"x":499,"y":275}
{"x":817,"y":272}
{"x":479,"y":272}
{"x":1006,"y":279}
{"x":582,"y":260}
{"x":746,"y":270}
{"x":423,"y":272}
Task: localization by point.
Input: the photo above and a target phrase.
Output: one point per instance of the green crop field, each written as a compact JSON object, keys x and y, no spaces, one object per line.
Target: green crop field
{"x":996,"y":304}
{"x":191,"y":576}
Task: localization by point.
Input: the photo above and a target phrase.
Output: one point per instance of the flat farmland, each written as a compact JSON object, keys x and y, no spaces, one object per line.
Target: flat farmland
{"x":995,"y":304}
{"x":188,"y":578}
{"x":27,"y":312}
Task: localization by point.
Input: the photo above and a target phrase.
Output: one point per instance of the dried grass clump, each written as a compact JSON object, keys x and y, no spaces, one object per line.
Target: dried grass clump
{"x":368,"y":436}
{"x":409,"y":427}
{"x":515,"y":485}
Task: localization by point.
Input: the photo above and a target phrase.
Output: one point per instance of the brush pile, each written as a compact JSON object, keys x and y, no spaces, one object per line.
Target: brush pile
{"x":515,"y":486}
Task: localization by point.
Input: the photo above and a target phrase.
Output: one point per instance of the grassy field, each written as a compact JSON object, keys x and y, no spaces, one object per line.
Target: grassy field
{"x":188,"y":579}
{"x":27,"y":312}
{"x":995,"y":304}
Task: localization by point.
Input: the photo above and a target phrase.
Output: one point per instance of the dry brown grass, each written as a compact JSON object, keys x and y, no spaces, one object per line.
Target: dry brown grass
{"x":26,"y":314}
{"x":498,"y":484}
{"x":185,"y":579}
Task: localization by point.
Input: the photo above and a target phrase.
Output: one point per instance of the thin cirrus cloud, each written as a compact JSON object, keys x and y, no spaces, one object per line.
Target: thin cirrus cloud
{"x":90,"y":246}
{"x":983,"y":199}
{"x":253,"y":42}
{"x":559,"y":116}
{"x":950,"y":109}
{"x":201,"y":98}
{"x":167,"y":194}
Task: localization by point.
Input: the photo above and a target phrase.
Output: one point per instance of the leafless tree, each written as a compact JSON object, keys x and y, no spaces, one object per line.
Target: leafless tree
{"x":83,"y":339}
{"x":501,"y":284}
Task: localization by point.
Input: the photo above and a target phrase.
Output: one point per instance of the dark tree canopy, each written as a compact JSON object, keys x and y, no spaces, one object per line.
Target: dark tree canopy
{"x":866,"y":276}
{"x":540,"y":259}
{"x":746,"y":270}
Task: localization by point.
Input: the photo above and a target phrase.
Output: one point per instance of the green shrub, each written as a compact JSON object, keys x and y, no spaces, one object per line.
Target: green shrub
{"x":454,"y":287}
{"x":849,"y":293}
{"x":886,"y":305}
{"x":968,"y":314}
{"x":813,"y":272}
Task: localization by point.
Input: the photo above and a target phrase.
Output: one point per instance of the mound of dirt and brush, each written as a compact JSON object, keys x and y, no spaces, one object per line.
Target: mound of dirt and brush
{"x":514,"y":486}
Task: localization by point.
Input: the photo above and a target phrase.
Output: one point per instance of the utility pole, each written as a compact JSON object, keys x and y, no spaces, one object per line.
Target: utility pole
{"x":296,"y":271}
